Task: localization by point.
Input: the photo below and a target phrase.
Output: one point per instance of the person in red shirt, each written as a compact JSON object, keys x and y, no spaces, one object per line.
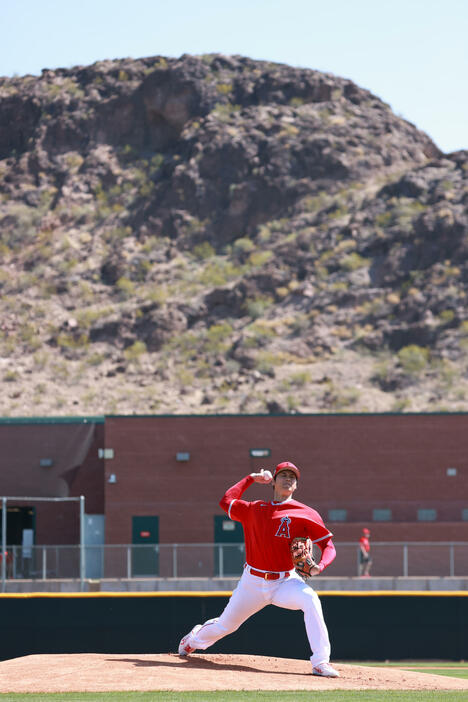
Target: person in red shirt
{"x":269,"y":576}
{"x":365,"y":560}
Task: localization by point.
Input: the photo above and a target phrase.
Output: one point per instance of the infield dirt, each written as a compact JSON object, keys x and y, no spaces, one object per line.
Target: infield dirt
{"x":101,"y":672}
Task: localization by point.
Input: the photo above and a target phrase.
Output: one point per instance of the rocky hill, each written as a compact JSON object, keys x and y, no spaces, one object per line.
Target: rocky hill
{"x":215,"y":234}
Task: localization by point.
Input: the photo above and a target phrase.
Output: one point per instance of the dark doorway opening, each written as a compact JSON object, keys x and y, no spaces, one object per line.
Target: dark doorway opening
{"x":145,"y":551}
{"x":18,"y":519}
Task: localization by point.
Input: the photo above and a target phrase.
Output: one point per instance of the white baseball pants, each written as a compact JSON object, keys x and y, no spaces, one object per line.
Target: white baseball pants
{"x":252,"y":594}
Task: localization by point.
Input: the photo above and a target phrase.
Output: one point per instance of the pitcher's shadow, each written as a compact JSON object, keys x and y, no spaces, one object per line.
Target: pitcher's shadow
{"x":192,"y":663}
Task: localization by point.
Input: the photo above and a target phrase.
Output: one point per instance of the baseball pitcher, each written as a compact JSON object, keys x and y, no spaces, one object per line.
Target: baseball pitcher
{"x":279,"y":538}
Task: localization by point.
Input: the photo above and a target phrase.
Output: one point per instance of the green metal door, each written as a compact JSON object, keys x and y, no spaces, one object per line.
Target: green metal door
{"x":145,"y":538}
{"x":229,"y":556}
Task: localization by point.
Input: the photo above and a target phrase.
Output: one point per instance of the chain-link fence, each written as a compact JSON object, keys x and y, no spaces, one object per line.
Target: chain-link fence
{"x":208,"y":560}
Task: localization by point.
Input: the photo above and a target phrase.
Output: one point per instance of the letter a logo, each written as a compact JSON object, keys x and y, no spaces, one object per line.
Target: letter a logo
{"x":283,"y":529}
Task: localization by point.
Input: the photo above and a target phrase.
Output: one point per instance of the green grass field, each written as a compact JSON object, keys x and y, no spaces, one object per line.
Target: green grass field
{"x":452,"y":669}
{"x":234,"y":696}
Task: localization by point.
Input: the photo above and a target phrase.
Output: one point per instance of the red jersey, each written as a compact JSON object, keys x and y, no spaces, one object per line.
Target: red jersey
{"x":365,"y":543}
{"x":269,"y":528}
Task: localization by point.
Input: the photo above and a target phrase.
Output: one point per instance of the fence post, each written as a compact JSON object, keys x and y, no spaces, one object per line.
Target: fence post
{"x":4,"y":537}
{"x":129,"y":562}
{"x":452,"y":561}
{"x":174,"y":560}
{"x":405,"y":560}
{"x":15,"y":557}
{"x":221,"y":563}
{"x":44,"y":563}
{"x":82,"y":543}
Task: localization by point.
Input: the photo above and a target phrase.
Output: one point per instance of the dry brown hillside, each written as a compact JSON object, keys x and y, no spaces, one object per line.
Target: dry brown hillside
{"x":215,"y":234}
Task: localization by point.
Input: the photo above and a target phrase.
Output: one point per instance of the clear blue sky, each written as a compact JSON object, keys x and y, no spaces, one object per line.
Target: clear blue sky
{"x":411,"y":53}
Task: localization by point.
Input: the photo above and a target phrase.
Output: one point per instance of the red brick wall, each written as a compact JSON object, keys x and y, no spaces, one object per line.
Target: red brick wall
{"x":23,"y":445}
{"x":59,"y":522}
{"x":353,"y":462}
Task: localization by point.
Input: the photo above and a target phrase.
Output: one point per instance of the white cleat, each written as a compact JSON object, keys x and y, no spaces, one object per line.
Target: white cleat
{"x":325,"y":670}
{"x":185,"y":649}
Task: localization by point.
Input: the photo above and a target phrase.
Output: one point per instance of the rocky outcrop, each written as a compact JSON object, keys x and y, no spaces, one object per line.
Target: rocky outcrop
{"x":207,"y":225}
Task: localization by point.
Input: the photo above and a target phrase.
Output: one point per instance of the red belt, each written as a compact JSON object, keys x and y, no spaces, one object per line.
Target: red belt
{"x":267,"y":576}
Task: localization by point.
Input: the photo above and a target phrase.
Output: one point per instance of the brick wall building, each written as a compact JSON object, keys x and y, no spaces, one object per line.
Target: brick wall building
{"x":404,"y":476}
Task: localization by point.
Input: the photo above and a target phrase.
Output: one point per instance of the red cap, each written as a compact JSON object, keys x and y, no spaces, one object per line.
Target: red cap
{"x":286,"y":465}
{"x":366,"y":532}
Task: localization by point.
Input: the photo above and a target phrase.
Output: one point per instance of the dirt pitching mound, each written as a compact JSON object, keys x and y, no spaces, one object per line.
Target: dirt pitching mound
{"x":101,"y":672}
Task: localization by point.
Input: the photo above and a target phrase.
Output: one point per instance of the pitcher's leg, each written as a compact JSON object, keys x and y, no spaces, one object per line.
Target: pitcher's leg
{"x":295,"y":594}
{"x":244,"y":601}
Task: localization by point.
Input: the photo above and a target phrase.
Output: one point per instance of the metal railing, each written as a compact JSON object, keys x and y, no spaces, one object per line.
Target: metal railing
{"x":208,"y":560}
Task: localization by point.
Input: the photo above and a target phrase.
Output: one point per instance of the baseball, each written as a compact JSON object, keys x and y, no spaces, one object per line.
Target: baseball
{"x":267,"y":475}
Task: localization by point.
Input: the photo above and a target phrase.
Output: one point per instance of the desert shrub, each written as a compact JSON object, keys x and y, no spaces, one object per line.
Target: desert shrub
{"x":339,"y":286}
{"x":217,"y":337}
{"x":156,"y":294}
{"x":282,"y":292}
{"x":384,"y":219}
{"x":256,"y":308}
{"x":262,"y":329}
{"x":28,"y":334}
{"x":95,"y":359}
{"x":87,"y":317}
{"x":203,"y":250}
{"x":160,"y":65}
{"x":288,"y":130}
{"x":340,"y":398}
{"x":402,"y":212}
{"x":296,"y":102}
{"x":133,"y":352}
{"x":224,"y":88}
{"x":242,"y":246}
{"x":326,"y":255}
{"x":185,"y":344}
{"x":300,"y":378}
{"x":299,"y":323}
{"x":64,"y":85}
{"x":446,"y":316}
{"x":353,"y":262}
{"x":259,"y":258}
{"x":224,"y":111}
{"x":88,"y":397}
{"x":314,"y":203}
{"x":346,"y":245}
{"x":70,"y":341}
{"x":401,"y":404}
{"x":448,"y":373}
{"x":413,"y":359}
{"x":125,"y":287}
{"x":218,"y":272}
{"x":264,"y":233}
{"x":73,"y":161}
{"x":41,"y":359}
{"x":292,"y":403}
{"x":266,"y":362}
{"x":60,"y":370}
{"x":338,"y":212}
{"x":185,"y":377}
{"x":25,"y":230}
